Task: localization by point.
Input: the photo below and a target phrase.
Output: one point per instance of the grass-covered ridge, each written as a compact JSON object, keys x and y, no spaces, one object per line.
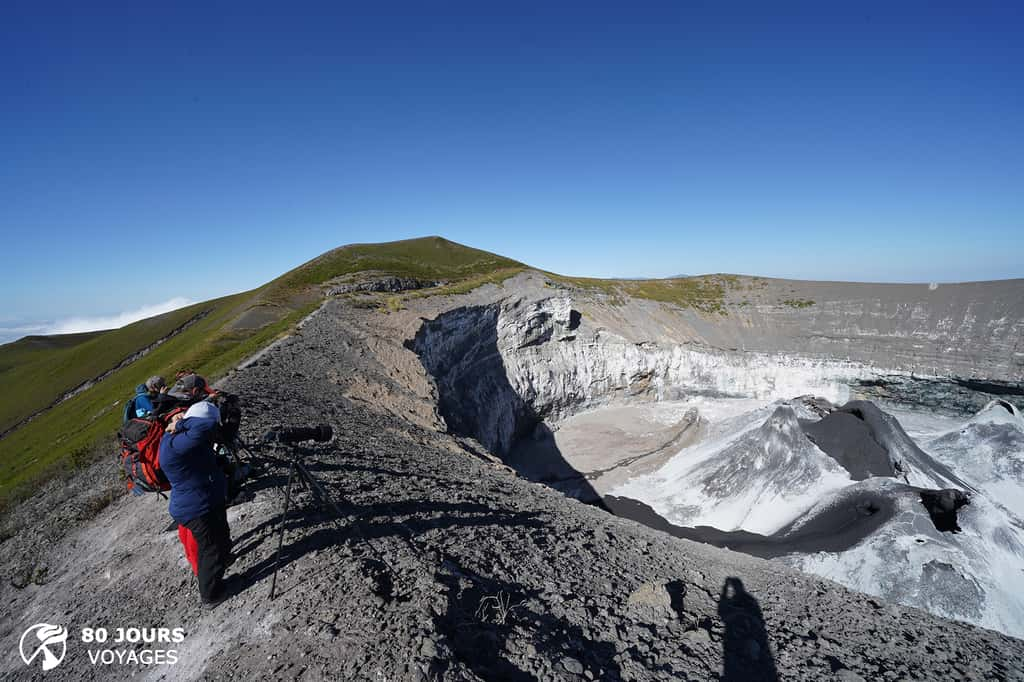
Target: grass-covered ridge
{"x":429,"y":258}
{"x":37,"y":371}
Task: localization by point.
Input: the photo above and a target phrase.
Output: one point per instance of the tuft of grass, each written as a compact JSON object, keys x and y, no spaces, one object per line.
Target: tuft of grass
{"x":95,"y":504}
{"x":365,"y":303}
{"x":798,"y":302}
{"x":30,"y":574}
{"x":496,"y":609}
{"x":706,"y":294}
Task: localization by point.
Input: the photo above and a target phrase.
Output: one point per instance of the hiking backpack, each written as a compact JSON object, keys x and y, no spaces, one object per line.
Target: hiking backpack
{"x":139,"y":405}
{"x":140,"y":453}
{"x":129,"y":410}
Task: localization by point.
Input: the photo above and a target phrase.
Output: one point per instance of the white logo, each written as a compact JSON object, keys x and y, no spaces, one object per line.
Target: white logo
{"x":47,"y":636}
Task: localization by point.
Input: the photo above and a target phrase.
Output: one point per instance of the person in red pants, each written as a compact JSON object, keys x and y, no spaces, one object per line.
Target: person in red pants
{"x":199,"y":495}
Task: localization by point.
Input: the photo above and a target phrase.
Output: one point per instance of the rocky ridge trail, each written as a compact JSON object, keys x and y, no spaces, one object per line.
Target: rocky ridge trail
{"x":447,"y":565}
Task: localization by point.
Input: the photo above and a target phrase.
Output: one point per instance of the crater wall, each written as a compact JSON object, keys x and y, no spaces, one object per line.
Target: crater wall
{"x":527,"y":353}
{"x":503,"y":368}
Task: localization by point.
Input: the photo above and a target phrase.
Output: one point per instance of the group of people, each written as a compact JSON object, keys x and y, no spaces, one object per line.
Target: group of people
{"x":155,"y":397}
{"x":199,"y":477}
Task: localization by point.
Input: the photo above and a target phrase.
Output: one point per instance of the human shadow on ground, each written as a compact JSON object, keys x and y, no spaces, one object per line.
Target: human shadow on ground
{"x":487,"y":619}
{"x":746,"y":651}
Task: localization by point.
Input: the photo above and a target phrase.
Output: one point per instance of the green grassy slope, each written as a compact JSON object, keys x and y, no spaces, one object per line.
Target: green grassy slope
{"x":36,"y":371}
{"x":32,"y":348}
{"x":26,"y":356}
{"x":45,"y":368}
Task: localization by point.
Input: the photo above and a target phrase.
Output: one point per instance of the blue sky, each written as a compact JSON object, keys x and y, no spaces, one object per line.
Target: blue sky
{"x":186,"y":150}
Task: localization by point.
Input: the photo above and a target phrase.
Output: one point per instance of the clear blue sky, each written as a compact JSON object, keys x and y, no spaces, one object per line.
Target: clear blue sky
{"x":159,"y":150}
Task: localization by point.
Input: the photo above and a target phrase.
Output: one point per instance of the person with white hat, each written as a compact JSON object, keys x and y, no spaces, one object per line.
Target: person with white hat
{"x":199,"y":495}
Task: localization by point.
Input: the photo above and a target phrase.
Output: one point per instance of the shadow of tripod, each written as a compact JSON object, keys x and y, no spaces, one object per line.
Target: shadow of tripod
{"x":291,"y":437}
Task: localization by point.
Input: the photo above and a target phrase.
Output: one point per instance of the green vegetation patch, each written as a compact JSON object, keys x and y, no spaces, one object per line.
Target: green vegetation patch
{"x":39,"y":370}
{"x":31,"y":349}
{"x":65,"y":435}
{"x":798,"y":302}
{"x":430,"y":258}
{"x":705,"y":293}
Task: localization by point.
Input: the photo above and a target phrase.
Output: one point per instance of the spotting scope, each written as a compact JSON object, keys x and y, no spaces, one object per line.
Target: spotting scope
{"x":295,"y":434}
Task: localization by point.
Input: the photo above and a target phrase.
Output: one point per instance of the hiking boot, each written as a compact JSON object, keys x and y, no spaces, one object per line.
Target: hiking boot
{"x":229,"y":587}
{"x":215,"y":602}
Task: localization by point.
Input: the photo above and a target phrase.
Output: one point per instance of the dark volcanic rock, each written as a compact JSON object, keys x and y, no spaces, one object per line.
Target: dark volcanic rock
{"x":884,"y":430}
{"x":383,"y":284}
{"x":942,"y":506}
{"x":848,"y":441}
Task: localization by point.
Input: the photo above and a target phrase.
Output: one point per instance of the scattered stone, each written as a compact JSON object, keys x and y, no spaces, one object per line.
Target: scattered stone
{"x":651,"y":596}
{"x":572,"y":665}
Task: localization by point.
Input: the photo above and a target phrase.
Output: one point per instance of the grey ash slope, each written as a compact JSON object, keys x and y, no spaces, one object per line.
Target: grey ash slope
{"x":595,"y":596}
{"x":969,"y":329}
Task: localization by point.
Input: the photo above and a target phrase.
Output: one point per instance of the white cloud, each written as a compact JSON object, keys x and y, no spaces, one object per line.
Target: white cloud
{"x":74,"y":325}
{"x":12,"y":329}
{"x":8,"y":334}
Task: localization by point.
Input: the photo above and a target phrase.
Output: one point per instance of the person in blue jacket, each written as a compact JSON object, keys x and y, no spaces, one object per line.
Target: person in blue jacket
{"x":150,"y":398}
{"x":139,"y":405}
{"x":199,"y":495}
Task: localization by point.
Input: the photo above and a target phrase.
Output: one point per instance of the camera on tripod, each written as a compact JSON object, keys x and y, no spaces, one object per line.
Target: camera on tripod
{"x":295,"y":434}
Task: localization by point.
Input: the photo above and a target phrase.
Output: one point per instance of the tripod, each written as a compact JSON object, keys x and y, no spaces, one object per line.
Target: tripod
{"x":320,"y":496}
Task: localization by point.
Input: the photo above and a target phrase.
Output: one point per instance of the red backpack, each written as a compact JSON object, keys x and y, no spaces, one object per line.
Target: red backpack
{"x":140,"y":453}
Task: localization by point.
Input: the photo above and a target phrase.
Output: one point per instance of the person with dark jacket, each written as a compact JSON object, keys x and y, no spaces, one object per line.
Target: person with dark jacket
{"x":187,"y":390}
{"x":160,"y":399}
{"x":190,"y":388}
{"x":198,"y":495}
